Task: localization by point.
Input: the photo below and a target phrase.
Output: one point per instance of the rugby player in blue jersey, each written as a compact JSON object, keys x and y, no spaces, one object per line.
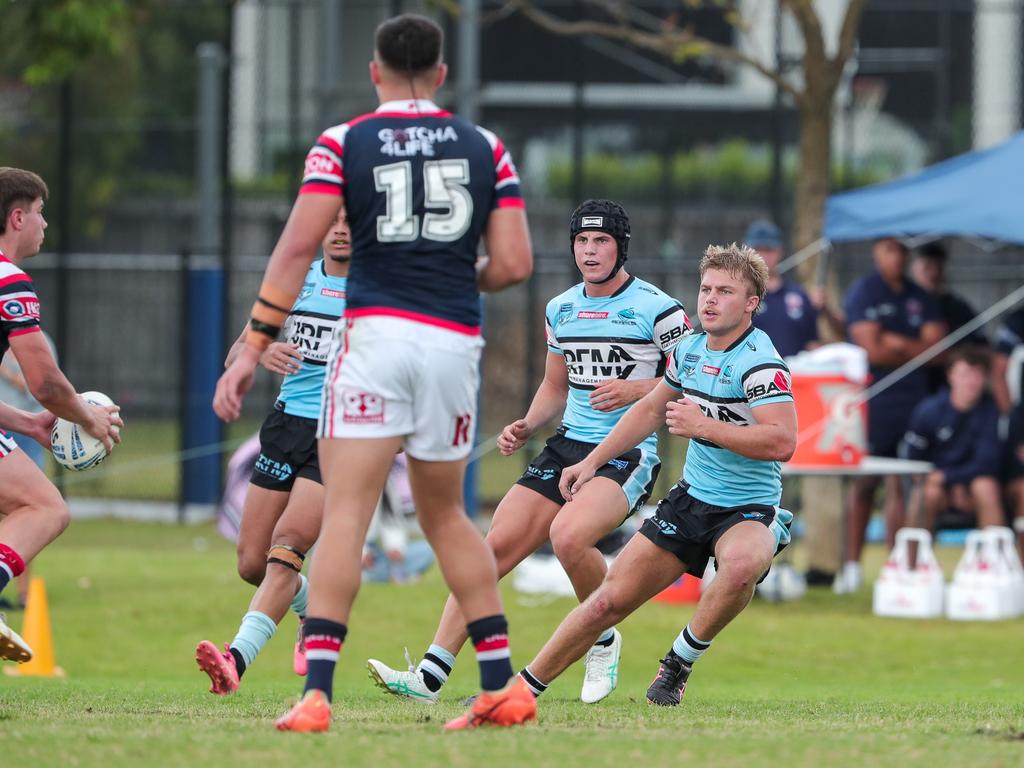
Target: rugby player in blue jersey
{"x":421,"y":187}
{"x":728,"y":391}
{"x":284,"y":503}
{"x":608,"y":339}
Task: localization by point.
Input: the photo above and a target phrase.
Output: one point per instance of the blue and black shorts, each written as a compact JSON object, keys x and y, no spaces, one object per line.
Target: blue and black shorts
{"x":288,"y":450}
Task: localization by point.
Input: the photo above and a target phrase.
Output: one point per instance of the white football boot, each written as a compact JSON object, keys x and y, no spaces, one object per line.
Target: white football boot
{"x":405,"y":685}
{"x":12,"y":647}
{"x":602,"y":664}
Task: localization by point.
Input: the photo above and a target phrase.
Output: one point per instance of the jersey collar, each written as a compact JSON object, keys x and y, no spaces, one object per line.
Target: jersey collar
{"x":619,"y":292}
{"x":3,"y":257}
{"x":412,"y":106}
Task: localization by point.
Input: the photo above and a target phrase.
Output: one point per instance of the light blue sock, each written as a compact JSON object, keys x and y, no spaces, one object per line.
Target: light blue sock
{"x":689,"y":647}
{"x":443,"y":654}
{"x":256,"y":629}
{"x":606,"y":636}
{"x":301,"y":599}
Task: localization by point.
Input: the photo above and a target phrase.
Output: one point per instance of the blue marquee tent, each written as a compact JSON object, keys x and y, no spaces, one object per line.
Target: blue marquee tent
{"x":979,"y":194}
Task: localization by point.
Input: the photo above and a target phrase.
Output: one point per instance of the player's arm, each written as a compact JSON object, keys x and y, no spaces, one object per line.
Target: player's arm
{"x":35,"y":425}
{"x":47,"y":384}
{"x":306,"y":228}
{"x":633,"y":428}
{"x":548,"y":402}
{"x":510,"y":254}
{"x":772,"y":436}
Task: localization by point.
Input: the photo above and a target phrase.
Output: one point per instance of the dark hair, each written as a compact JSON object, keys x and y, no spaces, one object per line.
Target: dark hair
{"x":934,"y":250}
{"x":973,"y":355}
{"x":18,"y":188}
{"x":410,"y":44}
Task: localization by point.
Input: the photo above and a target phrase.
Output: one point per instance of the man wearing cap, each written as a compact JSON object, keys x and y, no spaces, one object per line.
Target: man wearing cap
{"x":894,"y":320}
{"x":608,"y":342}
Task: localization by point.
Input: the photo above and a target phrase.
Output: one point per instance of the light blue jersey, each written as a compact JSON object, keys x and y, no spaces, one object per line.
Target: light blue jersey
{"x":627,"y":335}
{"x":310,"y":326}
{"x":728,"y":385}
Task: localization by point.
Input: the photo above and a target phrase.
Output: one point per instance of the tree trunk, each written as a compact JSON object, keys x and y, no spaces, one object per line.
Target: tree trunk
{"x":812,"y":176}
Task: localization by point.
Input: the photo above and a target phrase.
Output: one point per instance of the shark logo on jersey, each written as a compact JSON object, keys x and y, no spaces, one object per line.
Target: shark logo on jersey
{"x":564,"y":313}
{"x":689,"y":371}
{"x":626,"y":317}
{"x":306,"y":292}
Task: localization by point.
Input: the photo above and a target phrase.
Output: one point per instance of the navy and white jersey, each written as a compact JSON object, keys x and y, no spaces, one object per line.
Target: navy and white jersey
{"x":903,"y":313}
{"x":19,"y":305}
{"x":310,"y":326}
{"x":627,"y":335}
{"x":789,"y":319}
{"x":963,"y":444}
{"x":728,"y":385}
{"x":419,"y":185}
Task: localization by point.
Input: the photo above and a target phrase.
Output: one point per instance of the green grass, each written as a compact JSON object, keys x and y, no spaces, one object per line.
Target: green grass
{"x":820,"y":682}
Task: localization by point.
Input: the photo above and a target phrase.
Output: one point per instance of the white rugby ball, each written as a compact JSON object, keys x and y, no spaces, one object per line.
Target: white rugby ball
{"x":72,"y":446}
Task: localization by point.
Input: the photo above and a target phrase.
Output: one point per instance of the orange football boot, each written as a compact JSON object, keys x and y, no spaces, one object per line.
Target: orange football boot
{"x":512,"y":705}
{"x":312,"y":714}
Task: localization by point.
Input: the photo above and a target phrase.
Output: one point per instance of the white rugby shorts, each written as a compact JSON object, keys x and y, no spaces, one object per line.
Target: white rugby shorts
{"x":389,"y":376}
{"x":7,"y":444}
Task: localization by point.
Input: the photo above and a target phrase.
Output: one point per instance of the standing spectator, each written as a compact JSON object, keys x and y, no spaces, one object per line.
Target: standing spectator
{"x":1013,"y":467}
{"x":928,"y":269}
{"x":957,"y":430}
{"x":788,"y":315}
{"x":894,"y":320}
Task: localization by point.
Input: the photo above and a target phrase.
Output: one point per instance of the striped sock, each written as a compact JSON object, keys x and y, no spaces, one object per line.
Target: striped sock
{"x":323,"y":639}
{"x":11,"y":565}
{"x":689,"y":647}
{"x":490,"y":638}
{"x":435,"y":666}
{"x":532,"y":682}
{"x":607,"y":637}
{"x":255,"y":631}
{"x":301,"y":599}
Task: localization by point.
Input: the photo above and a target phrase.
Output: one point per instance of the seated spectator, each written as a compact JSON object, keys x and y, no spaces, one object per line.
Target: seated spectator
{"x":957,"y":430}
{"x":894,"y":320}
{"x":1008,"y":361}
{"x":1013,"y":472}
{"x":928,"y":269}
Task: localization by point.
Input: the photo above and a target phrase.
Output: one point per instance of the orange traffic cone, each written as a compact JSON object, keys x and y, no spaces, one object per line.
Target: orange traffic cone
{"x":36,"y":631}
{"x":685,"y":589}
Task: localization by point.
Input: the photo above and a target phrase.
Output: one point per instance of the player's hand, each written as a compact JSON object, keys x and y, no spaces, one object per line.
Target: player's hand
{"x":41,"y":428}
{"x":104,"y":423}
{"x":613,"y":394}
{"x":234,"y":383}
{"x":513,"y":437}
{"x":281,"y":358}
{"x":684,"y":417}
{"x":574,"y":478}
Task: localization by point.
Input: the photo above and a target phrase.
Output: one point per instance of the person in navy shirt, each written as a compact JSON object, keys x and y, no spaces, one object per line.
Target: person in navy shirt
{"x":957,"y":430}
{"x":787,"y":315}
{"x":928,"y":269}
{"x":894,"y":320}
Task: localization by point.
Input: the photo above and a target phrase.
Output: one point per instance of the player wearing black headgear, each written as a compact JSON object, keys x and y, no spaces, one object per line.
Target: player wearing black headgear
{"x":603,"y":216}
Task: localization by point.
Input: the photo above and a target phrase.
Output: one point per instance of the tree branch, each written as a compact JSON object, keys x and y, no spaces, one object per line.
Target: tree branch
{"x":671,"y":43}
{"x":847,"y":37}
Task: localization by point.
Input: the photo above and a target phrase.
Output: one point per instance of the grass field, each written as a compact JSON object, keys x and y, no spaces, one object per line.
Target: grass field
{"x":815,"y":683}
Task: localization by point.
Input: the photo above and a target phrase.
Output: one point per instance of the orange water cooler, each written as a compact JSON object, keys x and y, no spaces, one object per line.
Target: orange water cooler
{"x":832,"y":421}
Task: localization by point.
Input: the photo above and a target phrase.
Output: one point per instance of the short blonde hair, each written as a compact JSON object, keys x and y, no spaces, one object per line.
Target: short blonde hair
{"x":739,"y":261}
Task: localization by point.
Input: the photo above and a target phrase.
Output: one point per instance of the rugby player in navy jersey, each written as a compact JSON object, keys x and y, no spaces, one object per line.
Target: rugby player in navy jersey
{"x":421,"y":187}
{"x":32,"y":512}
{"x":284,"y":503}
{"x":608,"y":339}
{"x":728,"y":391}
